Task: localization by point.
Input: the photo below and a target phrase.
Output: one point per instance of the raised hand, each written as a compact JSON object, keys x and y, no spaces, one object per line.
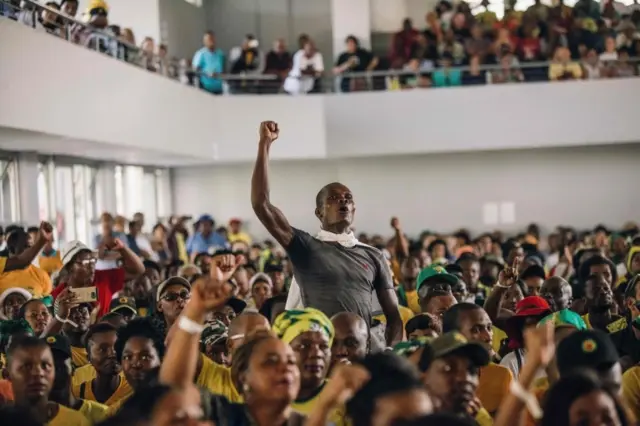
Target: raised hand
{"x":540,"y":343}
{"x":213,"y":291}
{"x":45,"y":233}
{"x":66,"y":301}
{"x":269,"y":131}
{"x":346,"y":380}
{"x":395,"y":223}
{"x":509,"y":275}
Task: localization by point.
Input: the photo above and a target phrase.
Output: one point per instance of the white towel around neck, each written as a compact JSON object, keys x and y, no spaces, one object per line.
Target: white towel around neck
{"x":294,"y":298}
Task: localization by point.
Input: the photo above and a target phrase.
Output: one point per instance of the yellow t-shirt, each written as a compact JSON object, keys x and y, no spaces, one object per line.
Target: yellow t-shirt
{"x":631,"y":390}
{"x":337,"y":417}
{"x":493,"y":386}
{"x":83,"y":374}
{"x":558,"y":70}
{"x":498,"y":337}
{"x":182,"y":248}
{"x":413,"y":302}
{"x":483,"y":418}
{"x":217,"y":379}
{"x":3,"y":262}
{"x":33,"y":279}
{"x":68,"y":417}
{"x":240,"y":236}
{"x":405,"y":314}
{"x":79,"y":357}
{"x":617,"y":325}
{"x":94,"y":411}
{"x":50,"y":264}
{"x":123,"y":390}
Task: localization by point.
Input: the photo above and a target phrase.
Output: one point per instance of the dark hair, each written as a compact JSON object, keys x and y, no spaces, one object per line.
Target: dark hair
{"x":567,"y":390}
{"x":15,"y":238}
{"x":598,"y":259}
{"x":267,"y":306}
{"x":24,"y":342}
{"x":390,"y":373}
{"x":467,"y":257}
{"x":354,"y":39}
{"x":23,"y":309}
{"x":440,"y":419}
{"x":33,"y":229}
{"x":242,"y":356}
{"x":451,"y":317}
{"x":139,"y":327}
{"x":110,"y":315}
{"x":437,"y":291}
{"x":320,"y":196}
{"x":99,"y":328}
{"x":11,"y":328}
{"x":423,"y":322}
{"x":439,"y":241}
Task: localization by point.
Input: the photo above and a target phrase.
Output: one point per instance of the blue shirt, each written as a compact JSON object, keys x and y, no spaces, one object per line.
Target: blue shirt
{"x":209,"y":62}
{"x":198,"y":243}
{"x":453,"y":78}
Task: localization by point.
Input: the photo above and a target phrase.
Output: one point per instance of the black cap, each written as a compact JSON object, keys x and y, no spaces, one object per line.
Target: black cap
{"x":273,"y":267}
{"x":533,"y":271}
{"x":454,"y":343}
{"x":238,"y":305}
{"x":60,"y":343}
{"x":586,"y":348}
{"x":123,"y":302}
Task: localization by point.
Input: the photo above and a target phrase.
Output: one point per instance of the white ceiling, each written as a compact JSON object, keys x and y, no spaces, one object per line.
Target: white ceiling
{"x":18,"y":140}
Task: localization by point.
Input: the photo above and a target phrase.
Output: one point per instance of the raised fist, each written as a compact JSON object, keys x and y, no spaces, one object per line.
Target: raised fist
{"x":269,"y":131}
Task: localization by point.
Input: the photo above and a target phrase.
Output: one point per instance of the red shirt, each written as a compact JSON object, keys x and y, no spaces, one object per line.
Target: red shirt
{"x":107,"y":282}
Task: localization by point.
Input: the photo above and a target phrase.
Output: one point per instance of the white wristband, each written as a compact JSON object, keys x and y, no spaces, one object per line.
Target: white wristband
{"x":190,"y":326}
{"x":66,"y":321}
{"x":529,"y":399}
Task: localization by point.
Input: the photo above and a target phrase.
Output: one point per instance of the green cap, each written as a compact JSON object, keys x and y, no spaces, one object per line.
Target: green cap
{"x":565,"y":318}
{"x":409,"y":347}
{"x":435,"y":271}
{"x":454,"y":342}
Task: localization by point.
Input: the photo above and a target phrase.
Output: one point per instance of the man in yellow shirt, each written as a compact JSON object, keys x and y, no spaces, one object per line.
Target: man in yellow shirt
{"x":61,"y":391}
{"x":32,"y":374}
{"x":235,"y":232}
{"x":109,"y":387}
{"x":17,"y":270}
{"x":475,"y":325}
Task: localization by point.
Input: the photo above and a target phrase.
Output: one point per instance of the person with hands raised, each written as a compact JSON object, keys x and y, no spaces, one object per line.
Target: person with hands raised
{"x":333,"y":272}
{"x":501,"y":303}
{"x":17,"y":270}
{"x":183,"y":363}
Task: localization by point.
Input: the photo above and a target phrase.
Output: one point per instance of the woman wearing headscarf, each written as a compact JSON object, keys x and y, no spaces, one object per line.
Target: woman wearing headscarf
{"x":310,"y":334}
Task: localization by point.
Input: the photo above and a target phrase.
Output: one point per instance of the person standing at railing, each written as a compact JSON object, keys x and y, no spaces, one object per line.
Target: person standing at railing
{"x":69,"y":7}
{"x":308,"y":66}
{"x":278,"y":62}
{"x":209,"y":61}
{"x":355,"y":59}
{"x":97,"y":17}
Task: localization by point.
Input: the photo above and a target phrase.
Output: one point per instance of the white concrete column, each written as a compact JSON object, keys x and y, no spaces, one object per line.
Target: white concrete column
{"x":350,"y":17}
{"x":164,"y":193}
{"x":106,"y":189}
{"x":27,"y":174}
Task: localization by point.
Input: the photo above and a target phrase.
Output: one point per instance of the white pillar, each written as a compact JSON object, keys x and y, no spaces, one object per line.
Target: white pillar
{"x":28,"y":189}
{"x":350,"y":17}
{"x":106,"y":189}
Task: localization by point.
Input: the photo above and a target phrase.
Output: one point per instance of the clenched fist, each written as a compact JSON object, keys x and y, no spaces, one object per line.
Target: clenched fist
{"x":269,"y":131}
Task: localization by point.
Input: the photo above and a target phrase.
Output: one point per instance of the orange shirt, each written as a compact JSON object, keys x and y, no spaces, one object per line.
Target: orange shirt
{"x":6,"y":391}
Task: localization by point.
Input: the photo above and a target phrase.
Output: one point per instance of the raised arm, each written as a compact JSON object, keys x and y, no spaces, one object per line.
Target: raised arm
{"x":24,"y":259}
{"x":269,"y":215}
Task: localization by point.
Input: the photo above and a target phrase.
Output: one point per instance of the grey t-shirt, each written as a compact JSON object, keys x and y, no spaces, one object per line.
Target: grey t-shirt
{"x":333,"y":278}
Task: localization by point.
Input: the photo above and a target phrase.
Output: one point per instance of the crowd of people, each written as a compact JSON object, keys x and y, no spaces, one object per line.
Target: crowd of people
{"x":457,"y":47}
{"x":205,"y":326}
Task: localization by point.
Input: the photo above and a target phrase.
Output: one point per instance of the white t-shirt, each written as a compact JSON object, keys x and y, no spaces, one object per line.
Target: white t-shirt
{"x":514,"y":360}
{"x":296,"y":83}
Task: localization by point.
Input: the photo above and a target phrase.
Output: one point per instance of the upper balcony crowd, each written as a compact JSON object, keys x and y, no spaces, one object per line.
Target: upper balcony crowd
{"x":456,"y":46}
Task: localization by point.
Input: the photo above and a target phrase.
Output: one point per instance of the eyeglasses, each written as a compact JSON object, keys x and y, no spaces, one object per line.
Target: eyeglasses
{"x":87,"y":262}
{"x":172,"y":297}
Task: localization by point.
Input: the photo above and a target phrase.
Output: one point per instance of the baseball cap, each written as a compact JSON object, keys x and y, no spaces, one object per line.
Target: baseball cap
{"x":213,"y":333}
{"x":454,"y":343}
{"x":60,"y":343}
{"x":206,"y":218}
{"x":586,"y":348}
{"x":532,"y":306}
{"x":565,"y":318}
{"x":171,"y":281}
{"x":71,"y":250}
{"x":238,"y":305}
{"x":435,"y":271}
{"x":123,"y":302}
{"x":533,"y":271}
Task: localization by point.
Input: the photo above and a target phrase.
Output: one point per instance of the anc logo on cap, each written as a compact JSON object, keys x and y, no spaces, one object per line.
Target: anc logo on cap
{"x":51,"y":339}
{"x":589,"y":346}
{"x":123,"y":300}
{"x":439,"y":269}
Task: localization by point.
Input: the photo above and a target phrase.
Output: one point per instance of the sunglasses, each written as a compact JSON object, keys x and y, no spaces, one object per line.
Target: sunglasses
{"x":172,"y":297}
{"x":98,"y":12}
{"x":87,"y":262}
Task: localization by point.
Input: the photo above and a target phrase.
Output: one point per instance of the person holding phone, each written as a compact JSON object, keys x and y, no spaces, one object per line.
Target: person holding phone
{"x":79,"y":267}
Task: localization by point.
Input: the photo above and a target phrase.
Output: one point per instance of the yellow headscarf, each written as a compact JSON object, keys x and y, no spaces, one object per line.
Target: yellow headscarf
{"x":290,"y":324}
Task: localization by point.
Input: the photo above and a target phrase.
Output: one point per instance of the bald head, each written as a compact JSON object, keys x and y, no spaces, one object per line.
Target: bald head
{"x":243,"y":325}
{"x":351,"y":340}
{"x":335,"y":207}
{"x":326,"y":191}
{"x":557,"y":292}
